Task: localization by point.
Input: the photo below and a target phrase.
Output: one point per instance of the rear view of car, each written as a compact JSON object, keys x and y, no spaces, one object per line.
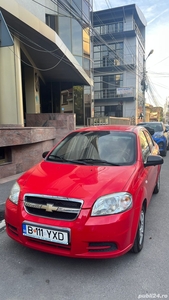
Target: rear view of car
{"x":159,"y":136}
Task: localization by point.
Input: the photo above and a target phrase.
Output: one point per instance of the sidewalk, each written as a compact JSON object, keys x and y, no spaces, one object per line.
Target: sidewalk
{"x":5,"y":187}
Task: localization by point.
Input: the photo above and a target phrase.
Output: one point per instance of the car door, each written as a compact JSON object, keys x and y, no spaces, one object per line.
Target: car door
{"x":148,"y":147}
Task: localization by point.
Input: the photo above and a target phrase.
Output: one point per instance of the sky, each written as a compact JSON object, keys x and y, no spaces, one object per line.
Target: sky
{"x":156,"y":13}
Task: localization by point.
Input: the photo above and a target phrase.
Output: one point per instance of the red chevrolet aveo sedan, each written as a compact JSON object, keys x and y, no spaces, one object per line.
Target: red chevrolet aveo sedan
{"x":89,"y":195}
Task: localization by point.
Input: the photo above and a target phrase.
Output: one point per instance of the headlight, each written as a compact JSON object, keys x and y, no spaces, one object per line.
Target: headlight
{"x":158,"y":135}
{"x":112,"y":204}
{"x":14,"y":195}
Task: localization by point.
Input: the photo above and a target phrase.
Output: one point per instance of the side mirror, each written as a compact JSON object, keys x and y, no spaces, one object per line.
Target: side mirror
{"x":154,"y":160}
{"x":45,"y":153}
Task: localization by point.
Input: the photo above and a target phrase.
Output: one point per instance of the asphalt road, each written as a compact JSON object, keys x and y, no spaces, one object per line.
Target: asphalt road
{"x":4,"y":193}
{"x":27,"y":274}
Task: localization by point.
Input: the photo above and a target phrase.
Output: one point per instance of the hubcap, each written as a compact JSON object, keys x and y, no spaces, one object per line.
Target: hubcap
{"x":141,"y":227}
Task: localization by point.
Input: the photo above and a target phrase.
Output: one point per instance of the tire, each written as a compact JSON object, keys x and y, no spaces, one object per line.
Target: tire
{"x":139,"y":240}
{"x":164,"y":153}
{"x":157,"y":186}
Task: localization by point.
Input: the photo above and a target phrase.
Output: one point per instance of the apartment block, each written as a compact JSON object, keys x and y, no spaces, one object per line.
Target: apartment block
{"x":119,"y":48}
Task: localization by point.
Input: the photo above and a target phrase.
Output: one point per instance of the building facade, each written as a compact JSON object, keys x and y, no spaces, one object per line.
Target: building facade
{"x":166,"y":111}
{"x":119,"y":48}
{"x":50,"y":56}
{"x":45,"y":77}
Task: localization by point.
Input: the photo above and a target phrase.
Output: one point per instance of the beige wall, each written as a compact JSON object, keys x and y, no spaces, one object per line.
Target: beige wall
{"x":11,"y":107}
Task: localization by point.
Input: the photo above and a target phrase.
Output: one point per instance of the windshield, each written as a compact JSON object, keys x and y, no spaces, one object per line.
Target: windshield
{"x":156,"y":126}
{"x":96,"y":147}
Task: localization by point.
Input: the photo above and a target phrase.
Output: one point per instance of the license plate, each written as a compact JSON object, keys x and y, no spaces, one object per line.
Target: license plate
{"x":50,"y":234}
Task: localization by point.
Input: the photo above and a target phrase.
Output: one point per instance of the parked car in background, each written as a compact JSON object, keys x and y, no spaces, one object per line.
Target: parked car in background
{"x":167,"y":128}
{"x":160,"y":135}
{"x":89,"y":195}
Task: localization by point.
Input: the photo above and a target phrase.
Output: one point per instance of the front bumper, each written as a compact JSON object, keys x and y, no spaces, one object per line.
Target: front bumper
{"x":90,"y":237}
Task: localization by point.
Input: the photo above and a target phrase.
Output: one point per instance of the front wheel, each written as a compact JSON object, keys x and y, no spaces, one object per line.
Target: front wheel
{"x":139,"y":240}
{"x":164,"y":153}
{"x":157,"y":186}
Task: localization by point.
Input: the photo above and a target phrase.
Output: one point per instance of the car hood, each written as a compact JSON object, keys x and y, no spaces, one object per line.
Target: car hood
{"x":75,"y":181}
{"x":157,"y":134}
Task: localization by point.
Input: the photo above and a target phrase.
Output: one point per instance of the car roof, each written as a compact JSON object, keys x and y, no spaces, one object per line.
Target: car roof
{"x":155,"y":122}
{"x":124,"y":128}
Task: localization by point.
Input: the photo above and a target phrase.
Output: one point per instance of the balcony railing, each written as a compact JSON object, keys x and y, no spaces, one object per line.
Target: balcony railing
{"x":118,"y":27}
{"x":115,"y":93}
{"x":108,"y":121}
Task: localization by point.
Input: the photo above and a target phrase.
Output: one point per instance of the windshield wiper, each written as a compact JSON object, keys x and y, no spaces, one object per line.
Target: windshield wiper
{"x":56,"y":157}
{"x":59,"y":158}
{"x":89,"y":160}
{"x":83,"y":161}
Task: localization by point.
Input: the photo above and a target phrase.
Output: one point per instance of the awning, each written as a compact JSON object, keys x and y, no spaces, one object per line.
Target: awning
{"x":42,"y":44}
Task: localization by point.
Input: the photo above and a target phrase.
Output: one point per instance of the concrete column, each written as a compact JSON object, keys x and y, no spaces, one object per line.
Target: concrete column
{"x":32,"y":90}
{"x":11,"y":102}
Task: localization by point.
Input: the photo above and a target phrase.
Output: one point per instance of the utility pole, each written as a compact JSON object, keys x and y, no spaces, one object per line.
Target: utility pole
{"x":144,"y":85}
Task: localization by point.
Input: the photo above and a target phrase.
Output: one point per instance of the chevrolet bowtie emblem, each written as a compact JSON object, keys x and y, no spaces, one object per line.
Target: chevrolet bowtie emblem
{"x":49,"y":207}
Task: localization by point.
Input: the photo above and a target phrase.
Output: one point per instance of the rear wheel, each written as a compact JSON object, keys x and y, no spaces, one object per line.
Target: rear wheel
{"x":157,"y":186}
{"x":139,"y":240}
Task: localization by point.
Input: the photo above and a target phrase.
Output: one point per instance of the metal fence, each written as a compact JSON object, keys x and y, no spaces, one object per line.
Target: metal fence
{"x":108,"y":121}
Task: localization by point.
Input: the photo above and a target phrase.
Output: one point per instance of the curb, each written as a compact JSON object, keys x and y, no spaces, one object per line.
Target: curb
{"x":2,"y":221}
{"x":2,"y":207}
{"x":2,"y":225}
{"x":2,"y":210}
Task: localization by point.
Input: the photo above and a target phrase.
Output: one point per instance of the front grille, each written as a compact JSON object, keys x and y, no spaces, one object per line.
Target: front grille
{"x":52,"y":207}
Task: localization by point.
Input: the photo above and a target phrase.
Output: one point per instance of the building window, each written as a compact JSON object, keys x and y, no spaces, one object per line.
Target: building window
{"x":105,"y":86}
{"x":5,"y":155}
{"x":108,"y":56}
{"x":52,"y":22}
{"x":110,"y":28}
{"x":76,"y":38}
{"x":99,"y":111}
{"x":65,"y":28}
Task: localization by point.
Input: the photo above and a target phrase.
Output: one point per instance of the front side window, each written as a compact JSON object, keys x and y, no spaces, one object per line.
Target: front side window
{"x":144,"y":146}
{"x":150,"y":140}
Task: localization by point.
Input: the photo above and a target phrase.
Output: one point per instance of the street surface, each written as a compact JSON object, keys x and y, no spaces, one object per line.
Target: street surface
{"x":5,"y":188}
{"x":28,"y":274}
